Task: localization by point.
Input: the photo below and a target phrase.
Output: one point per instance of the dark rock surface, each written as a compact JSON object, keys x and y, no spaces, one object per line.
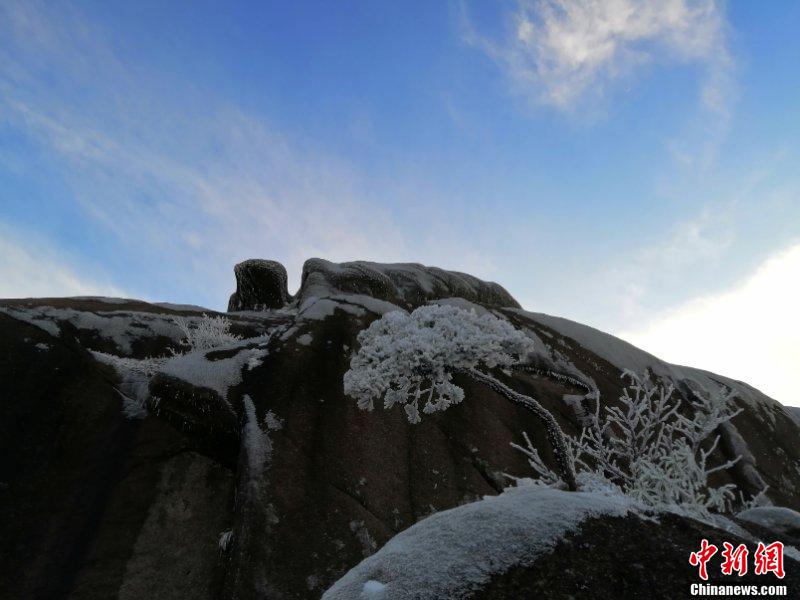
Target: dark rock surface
{"x":631,"y":558}
{"x":260,"y":285}
{"x":94,"y":504}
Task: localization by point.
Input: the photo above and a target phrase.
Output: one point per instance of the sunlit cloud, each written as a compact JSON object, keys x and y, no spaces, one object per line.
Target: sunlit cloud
{"x":750,"y":333}
{"x":560,"y":53}
{"x":29,"y":268}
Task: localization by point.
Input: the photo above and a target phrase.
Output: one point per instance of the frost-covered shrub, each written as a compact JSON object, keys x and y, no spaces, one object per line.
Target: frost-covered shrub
{"x":651,"y":451}
{"x":410,"y":359}
{"x":205,"y":333}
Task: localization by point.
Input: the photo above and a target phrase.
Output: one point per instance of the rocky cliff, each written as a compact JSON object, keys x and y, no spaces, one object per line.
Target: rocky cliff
{"x":131,"y":467}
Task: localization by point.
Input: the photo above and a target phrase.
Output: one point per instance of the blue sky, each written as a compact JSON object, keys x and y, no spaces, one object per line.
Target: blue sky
{"x":631,"y":165}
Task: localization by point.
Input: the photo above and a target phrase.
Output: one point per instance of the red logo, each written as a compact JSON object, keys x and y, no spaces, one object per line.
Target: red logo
{"x":702,"y":556}
{"x":735,"y":560}
{"x":768,"y":559}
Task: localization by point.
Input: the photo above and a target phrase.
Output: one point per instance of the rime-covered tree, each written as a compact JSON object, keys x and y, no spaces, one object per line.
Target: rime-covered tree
{"x":410,"y":359}
{"x":650,"y":450}
{"x":206,"y":333}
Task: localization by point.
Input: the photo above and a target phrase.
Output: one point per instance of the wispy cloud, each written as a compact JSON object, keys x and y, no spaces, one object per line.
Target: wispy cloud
{"x":186,"y":180}
{"x":750,"y":332}
{"x":561,"y":53}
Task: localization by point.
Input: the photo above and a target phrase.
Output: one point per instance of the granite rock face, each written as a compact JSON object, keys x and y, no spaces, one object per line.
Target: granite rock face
{"x":260,"y":285}
{"x":245,"y":472}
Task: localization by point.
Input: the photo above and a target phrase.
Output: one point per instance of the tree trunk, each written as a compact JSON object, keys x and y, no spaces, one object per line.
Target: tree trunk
{"x":554,"y":433}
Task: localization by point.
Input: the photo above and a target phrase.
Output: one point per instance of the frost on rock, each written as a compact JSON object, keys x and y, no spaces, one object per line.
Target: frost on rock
{"x":318,"y":309}
{"x":122,"y":328}
{"x":305,"y":339}
{"x":775,"y":518}
{"x":195,"y":367}
{"x":272,"y":422}
{"x":373,"y":590}
{"x":408,"y":285}
{"x":135,"y":376}
{"x":368,"y":543}
{"x":224,"y":540}
{"x":218,"y":374}
{"x":625,"y":356}
{"x":257,"y":444}
{"x":455,"y":551}
{"x":33,"y":317}
{"x":746,"y":466}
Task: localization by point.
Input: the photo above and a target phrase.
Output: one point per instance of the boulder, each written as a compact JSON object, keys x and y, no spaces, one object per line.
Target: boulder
{"x":260,"y":285}
{"x":408,"y":285}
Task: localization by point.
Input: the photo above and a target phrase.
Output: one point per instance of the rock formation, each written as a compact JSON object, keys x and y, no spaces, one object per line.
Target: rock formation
{"x":244,"y":472}
{"x":260,"y":285}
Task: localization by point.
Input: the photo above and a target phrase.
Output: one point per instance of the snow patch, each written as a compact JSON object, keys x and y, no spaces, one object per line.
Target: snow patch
{"x":454,"y":551}
{"x":272,"y":422}
{"x":373,"y":590}
{"x":219,"y":375}
{"x":135,"y":376}
{"x":33,"y":318}
{"x":305,"y":339}
{"x":224,"y":540}
{"x":257,"y":444}
{"x":318,"y":309}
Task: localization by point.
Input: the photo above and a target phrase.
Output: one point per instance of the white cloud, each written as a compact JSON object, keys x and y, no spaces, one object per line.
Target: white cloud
{"x":561,"y":51}
{"x":31,"y":269}
{"x":750,"y":333}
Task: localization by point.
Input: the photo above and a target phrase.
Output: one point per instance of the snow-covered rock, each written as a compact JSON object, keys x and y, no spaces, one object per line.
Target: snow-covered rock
{"x":456,"y":551}
{"x":406,"y":284}
{"x":143,"y":501}
{"x":778,"y":519}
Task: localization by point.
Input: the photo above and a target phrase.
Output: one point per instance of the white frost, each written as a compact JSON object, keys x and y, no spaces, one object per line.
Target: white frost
{"x":219,"y":375}
{"x":256,"y":441}
{"x":224,"y":540}
{"x":410,"y":358}
{"x":373,"y":590}
{"x":305,"y":339}
{"x":457,"y":550}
